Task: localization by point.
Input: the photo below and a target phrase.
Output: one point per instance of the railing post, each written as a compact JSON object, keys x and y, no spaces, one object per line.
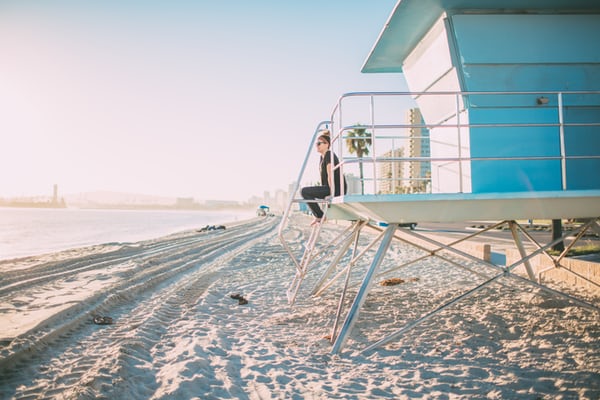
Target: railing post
{"x":561,"y":130}
{"x":340,"y":138}
{"x":460,"y":174}
{"x":373,"y":150}
{"x":288,"y":210}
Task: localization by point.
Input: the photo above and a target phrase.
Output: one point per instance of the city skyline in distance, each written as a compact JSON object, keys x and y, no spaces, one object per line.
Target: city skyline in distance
{"x":115,"y":199}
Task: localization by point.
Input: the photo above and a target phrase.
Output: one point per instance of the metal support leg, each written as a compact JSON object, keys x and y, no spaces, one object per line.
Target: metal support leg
{"x":364,"y":289}
{"x":558,"y":260}
{"x":431,"y":314}
{"x":507,"y":272}
{"x":302,"y":267}
{"x":312,"y":256}
{"x":357,"y":227}
{"x":578,"y":236}
{"x":352,"y":262}
{"x":595,"y":226}
{"x":522,"y":252}
{"x":343,"y":295}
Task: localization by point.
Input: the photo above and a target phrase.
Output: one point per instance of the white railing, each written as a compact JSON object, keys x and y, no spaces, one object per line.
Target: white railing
{"x":414,"y":156}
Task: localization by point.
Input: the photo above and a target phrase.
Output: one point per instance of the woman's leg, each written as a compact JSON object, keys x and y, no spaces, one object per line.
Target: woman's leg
{"x":312,"y":193}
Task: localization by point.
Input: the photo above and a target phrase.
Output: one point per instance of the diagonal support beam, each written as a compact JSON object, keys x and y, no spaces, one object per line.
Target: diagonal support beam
{"x":351,"y":264}
{"x":343,"y":295}
{"x":515,"y":234}
{"x":338,"y":256}
{"x":309,"y":257}
{"x":431,"y":314}
{"x":364,"y":289}
{"x":507,"y":272}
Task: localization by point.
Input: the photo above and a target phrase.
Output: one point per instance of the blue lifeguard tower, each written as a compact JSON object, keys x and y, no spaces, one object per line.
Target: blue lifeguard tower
{"x":508,"y":94}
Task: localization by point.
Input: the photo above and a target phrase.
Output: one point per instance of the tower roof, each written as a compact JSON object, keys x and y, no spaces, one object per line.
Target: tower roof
{"x":411,"y":20}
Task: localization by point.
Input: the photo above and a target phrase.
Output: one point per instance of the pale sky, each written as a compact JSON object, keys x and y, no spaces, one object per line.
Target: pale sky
{"x":208,"y":99}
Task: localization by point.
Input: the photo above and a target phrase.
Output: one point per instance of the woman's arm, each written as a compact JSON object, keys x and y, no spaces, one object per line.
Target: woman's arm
{"x":330,"y":179}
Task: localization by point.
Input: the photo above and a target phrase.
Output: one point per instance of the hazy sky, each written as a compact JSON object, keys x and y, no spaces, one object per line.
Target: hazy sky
{"x":211,"y":99}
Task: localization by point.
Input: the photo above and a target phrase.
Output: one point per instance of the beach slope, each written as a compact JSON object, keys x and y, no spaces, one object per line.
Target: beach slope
{"x":171,"y":328}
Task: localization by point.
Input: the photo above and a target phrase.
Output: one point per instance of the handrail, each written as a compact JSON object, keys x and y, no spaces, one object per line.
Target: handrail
{"x":454,"y":120}
{"x":454,"y":93}
{"x":292,"y":198}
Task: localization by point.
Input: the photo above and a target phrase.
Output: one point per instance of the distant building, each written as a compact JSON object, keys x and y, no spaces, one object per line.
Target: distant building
{"x":391,"y":173}
{"x":408,"y":176}
{"x":420,"y":171}
{"x":185,"y":202}
{"x":281,"y":198}
{"x":221,"y":203}
{"x":267,"y":197}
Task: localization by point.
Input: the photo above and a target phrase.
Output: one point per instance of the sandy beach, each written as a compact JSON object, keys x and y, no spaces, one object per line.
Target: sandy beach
{"x":176,"y":332}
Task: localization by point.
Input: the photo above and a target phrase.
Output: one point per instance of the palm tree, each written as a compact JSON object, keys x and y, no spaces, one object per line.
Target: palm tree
{"x":358,"y":141}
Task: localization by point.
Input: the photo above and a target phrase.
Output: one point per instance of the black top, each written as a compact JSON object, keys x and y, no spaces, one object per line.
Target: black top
{"x":324,"y":162}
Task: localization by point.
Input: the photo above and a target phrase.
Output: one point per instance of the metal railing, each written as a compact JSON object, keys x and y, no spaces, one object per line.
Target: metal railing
{"x":438,"y":156}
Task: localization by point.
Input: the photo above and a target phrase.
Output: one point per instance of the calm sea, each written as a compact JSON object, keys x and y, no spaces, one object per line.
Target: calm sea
{"x":32,"y":231}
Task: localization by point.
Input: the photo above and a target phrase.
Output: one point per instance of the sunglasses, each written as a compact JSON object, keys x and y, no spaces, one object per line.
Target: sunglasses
{"x":320,"y":143}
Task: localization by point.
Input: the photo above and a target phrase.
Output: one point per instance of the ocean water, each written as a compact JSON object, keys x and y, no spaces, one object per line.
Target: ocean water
{"x":33,"y":231}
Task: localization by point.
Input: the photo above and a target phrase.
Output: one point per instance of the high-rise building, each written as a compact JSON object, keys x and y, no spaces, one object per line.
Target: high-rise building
{"x":391,"y":173}
{"x":408,"y":176}
{"x":420,"y":171}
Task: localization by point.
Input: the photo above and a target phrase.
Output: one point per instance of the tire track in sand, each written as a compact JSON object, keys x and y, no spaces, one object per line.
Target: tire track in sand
{"x":143,"y":304}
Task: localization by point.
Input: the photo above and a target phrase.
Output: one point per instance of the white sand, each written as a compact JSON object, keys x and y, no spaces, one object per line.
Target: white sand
{"x":178,"y":334}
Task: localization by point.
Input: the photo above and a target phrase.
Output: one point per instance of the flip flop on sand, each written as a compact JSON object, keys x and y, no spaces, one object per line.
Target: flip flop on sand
{"x":239,"y":297}
{"x":98,"y":320}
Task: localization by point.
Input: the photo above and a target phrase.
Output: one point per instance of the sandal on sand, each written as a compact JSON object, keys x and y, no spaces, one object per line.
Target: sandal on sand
{"x":98,"y":320}
{"x":241,"y":300}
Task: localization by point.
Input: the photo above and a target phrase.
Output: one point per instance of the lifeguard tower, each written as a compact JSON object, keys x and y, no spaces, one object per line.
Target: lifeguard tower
{"x":502,"y":123}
